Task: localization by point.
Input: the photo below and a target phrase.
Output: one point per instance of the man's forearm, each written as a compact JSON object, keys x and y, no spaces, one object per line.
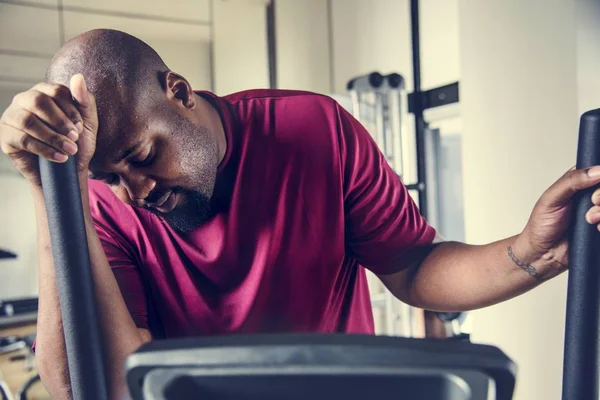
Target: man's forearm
{"x":49,"y":337}
{"x":460,"y":277}
{"x":119,"y":333}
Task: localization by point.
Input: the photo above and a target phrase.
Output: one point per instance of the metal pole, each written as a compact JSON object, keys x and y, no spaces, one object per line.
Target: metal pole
{"x":418,"y":109}
{"x":272,"y":44}
{"x":582,"y":351}
{"x":70,"y":251}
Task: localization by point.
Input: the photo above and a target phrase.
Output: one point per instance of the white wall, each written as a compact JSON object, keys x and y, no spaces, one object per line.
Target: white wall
{"x":25,"y":54}
{"x":303,"y":45}
{"x":588,"y":54}
{"x":240,"y":45}
{"x":18,"y":277}
{"x":370,"y":36}
{"x":519,"y":111}
{"x":180,"y":33}
{"x":375,"y":36}
{"x":439,"y":42}
{"x":321,"y":44}
{"x":185,"y":48}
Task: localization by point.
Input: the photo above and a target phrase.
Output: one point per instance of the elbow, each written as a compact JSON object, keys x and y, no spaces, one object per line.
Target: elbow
{"x":415,"y":292}
{"x":403,"y":285}
{"x":54,"y":375}
{"x":53,"y":368}
{"x":411,"y":296}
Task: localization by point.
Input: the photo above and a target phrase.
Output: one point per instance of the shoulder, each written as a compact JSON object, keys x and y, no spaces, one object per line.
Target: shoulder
{"x":286,"y":105}
{"x":288,"y":127}
{"x":277,"y":95}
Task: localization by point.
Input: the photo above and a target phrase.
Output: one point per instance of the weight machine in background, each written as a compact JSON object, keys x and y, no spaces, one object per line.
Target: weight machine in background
{"x":377,"y":101}
{"x":381,"y":104}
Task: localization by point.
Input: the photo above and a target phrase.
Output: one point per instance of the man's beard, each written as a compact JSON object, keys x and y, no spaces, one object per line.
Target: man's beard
{"x":194,"y":211}
{"x":198,"y":158}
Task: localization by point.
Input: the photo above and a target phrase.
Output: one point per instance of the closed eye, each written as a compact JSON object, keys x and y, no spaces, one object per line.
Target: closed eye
{"x":143,"y":158}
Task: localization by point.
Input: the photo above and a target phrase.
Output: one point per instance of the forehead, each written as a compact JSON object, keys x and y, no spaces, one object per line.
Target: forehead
{"x":122,"y":115}
{"x":124,"y":120}
{"x":119,"y":129}
{"x":118,"y":123}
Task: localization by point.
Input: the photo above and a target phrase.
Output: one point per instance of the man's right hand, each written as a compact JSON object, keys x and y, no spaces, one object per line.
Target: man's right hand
{"x":51,"y":121}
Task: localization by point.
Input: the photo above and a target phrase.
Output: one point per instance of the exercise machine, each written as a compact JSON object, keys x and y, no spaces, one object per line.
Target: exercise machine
{"x":295,"y":367}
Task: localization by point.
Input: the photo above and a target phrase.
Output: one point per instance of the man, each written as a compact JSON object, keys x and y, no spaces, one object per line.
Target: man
{"x":254,"y":212}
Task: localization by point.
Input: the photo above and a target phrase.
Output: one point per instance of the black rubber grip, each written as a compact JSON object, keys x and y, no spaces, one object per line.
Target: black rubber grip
{"x":581,"y":353}
{"x":74,"y":279}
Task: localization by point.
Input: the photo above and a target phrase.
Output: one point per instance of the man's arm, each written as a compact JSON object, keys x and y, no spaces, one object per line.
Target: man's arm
{"x":120,"y":335}
{"x":457,"y":276}
{"x":386,"y":233}
{"x":47,"y":122}
{"x":453,"y":276}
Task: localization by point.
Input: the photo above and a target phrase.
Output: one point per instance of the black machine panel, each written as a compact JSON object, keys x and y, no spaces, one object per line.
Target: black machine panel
{"x":314,"y":366}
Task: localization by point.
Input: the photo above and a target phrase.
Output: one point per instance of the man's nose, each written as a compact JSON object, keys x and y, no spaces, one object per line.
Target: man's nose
{"x":138,"y":187}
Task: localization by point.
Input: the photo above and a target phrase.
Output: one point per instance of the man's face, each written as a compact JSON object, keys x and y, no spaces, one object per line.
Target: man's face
{"x":160,"y":159}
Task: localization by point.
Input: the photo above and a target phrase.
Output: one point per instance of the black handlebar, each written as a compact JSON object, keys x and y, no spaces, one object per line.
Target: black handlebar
{"x":581,"y":354}
{"x":74,"y":279}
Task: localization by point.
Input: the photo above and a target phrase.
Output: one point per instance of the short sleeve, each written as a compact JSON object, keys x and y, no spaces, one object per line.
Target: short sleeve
{"x":128,"y":276}
{"x":385,"y":230}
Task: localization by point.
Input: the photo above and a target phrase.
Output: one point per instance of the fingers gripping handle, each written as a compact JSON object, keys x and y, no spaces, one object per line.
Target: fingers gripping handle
{"x":582,"y":351}
{"x":74,"y":279}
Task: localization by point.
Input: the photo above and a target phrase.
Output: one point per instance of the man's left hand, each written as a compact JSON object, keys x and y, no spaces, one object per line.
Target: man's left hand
{"x":546,"y":233}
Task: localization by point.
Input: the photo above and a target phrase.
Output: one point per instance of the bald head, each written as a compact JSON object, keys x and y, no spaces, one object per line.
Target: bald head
{"x":119,"y":69}
{"x":157,"y":139}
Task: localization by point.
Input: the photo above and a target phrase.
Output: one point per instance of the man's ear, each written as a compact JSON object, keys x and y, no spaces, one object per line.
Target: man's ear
{"x":178,"y":89}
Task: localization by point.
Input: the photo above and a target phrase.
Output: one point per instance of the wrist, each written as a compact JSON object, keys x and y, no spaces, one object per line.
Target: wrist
{"x":39,"y":203}
{"x":539,"y":264}
{"x":83,"y":185}
{"x":85,"y":198}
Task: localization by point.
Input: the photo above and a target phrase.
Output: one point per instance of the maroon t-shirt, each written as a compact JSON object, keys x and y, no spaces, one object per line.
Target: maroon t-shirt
{"x":308,"y":202}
